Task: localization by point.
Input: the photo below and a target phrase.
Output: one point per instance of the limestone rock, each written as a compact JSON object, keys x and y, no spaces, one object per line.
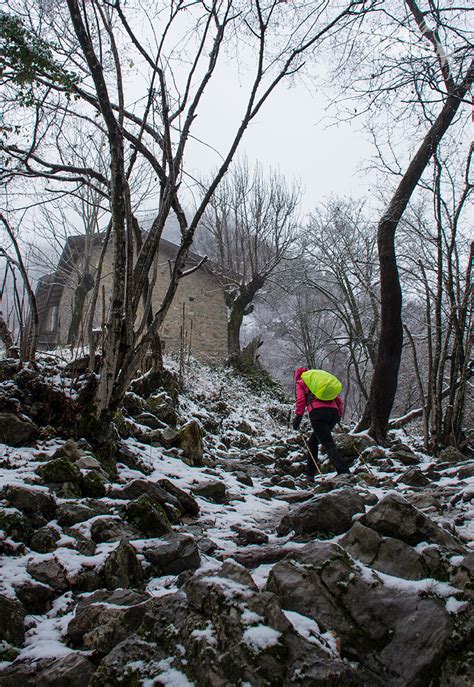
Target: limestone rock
{"x":122,"y":568}
{"x":160,"y":497}
{"x":104,"y":619}
{"x":187,"y":502}
{"x":16,"y":525}
{"x":71,"y":513}
{"x":229,"y":633}
{"x":12,"y":621}
{"x":16,"y":430}
{"x":190,"y":438}
{"x":413,"y":478}
{"x":147,"y":516}
{"x":30,"y":500}
{"x":172,"y":554}
{"x":395,"y":517}
{"x":44,"y":540}
{"x":108,"y":528}
{"x":49,"y":571}
{"x":69,"y":450}
{"x":386,"y":554}
{"x":93,"y":484}
{"x":403,"y":635}
{"x":36,"y":598}
{"x":169,"y":438}
{"x":452,"y":455}
{"x":59,"y":470}
{"x":213,"y":490}
{"x":73,"y":670}
{"x":247,"y":536}
{"x":325,"y":514}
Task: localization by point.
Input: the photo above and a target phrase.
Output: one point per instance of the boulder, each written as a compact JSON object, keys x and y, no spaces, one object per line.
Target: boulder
{"x":395,"y":517}
{"x":71,"y":513}
{"x":351,"y":445}
{"x":88,"y":463}
{"x":385,"y":554}
{"x":169,"y":438}
{"x":187,"y":502}
{"x":147,"y":516}
{"x":451,"y":455}
{"x":172,"y":554}
{"x":212,"y":490}
{"x":159,"y":496}
{"x":107,"y":529}
{"x":49,"y":571}
{"x":413,"y":478}
{"x":16,"y":525}
{"x":247,"y":536}
{"x":44,"y":540}
{"x":73,"y":670}
{"x":229,"y":633}
{"x":403,"y":636}
{"x":12,"y":621}
{"x":122,"y":569}
{"x":93,"y":484}
{"x":30,"y":500}
{"x":104,"y":619}
{"x":404,"y":455}
{"x":16,"y":430}
{"x":149,"y":420}
{"x":325,"y":514}
{"x":59,"y":470}
{"x":36,"y":598}
{"x":244,"y":478}
{"x":69,"y":450}
{"x":161,"y":405}
{"x":190,"y":441}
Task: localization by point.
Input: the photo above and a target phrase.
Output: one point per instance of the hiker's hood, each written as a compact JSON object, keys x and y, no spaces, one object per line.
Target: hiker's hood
{"x":298,"y":372}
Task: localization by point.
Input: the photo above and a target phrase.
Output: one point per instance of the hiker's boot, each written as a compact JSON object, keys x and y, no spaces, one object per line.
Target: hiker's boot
{"x":335,"y":458}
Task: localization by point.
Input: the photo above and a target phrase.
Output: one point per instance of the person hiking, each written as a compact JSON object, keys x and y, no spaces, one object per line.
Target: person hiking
{"x":323,"y":414}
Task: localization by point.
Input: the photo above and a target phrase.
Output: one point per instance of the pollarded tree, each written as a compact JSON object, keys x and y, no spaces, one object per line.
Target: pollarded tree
{"x":250,"y":227}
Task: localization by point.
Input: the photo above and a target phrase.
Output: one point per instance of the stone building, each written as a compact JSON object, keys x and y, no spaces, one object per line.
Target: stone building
{"x":198,"y":308}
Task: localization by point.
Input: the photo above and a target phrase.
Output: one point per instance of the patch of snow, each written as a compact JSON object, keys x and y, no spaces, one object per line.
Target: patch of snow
{"x":260,"y":637}
{"x":168,"y":676}
{"x":309,"y":629}
{"x":208,"y":633}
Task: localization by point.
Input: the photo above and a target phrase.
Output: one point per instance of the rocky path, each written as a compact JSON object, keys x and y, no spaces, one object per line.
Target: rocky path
{"x":207,"y":559}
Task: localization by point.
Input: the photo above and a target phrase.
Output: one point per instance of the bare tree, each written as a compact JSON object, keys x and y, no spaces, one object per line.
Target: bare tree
{"x":179,"y":51}
{"x":439,"y":269}
{"x":433,"y":85}
{"x":250,"y":226}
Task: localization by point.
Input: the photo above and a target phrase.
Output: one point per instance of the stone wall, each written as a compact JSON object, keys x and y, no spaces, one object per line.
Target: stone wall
{"x":205,"y":318}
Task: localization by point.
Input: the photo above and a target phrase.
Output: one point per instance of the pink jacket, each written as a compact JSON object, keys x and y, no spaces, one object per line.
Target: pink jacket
{"x":302,"y":393}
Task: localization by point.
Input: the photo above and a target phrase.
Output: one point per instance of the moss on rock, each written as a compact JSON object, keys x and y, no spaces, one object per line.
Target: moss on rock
{"x":93,"y":484}
{"x":150,"y":518}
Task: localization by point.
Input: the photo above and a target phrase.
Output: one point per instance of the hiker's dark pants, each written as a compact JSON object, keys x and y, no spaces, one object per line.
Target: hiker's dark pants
{"x":323,"y":421}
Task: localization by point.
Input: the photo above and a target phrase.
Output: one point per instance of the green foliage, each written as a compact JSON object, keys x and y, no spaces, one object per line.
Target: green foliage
{"x":25,"y":59}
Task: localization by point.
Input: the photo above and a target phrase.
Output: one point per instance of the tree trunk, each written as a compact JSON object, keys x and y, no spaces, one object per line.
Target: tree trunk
{"x":385,"y":378}
{"x":86,"y":283}
{"x":233,"y":326}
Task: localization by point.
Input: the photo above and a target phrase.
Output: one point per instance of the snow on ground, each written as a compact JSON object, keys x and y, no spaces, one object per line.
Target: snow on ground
{"x":264,"y":419}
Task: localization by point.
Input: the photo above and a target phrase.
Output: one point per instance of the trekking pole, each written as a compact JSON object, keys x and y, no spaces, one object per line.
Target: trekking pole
{"x":360,"y":455}
{"x":311,"y":453}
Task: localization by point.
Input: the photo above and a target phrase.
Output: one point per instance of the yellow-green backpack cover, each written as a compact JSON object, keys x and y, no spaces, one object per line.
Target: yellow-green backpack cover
{"x":322,"y":384}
